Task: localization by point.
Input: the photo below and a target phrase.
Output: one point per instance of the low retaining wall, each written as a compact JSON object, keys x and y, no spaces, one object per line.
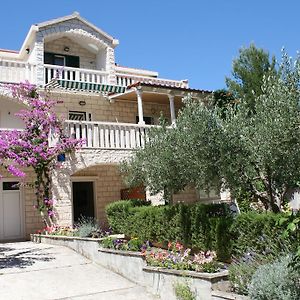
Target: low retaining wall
{"x":87,"y":247}
{"x":218,"y":295}
{"x":132,"y":265}
{"x":162,"y":282}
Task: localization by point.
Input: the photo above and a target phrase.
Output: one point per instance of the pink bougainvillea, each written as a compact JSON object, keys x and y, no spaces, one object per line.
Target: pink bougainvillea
{"x":30,"y":147}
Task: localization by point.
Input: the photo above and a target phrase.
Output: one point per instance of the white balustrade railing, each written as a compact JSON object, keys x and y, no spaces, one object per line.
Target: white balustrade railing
{"x":16,"y":71}
{"x":107,"y":135}
{"x":74,"y":74}
{"x":129,"y":79}
{"x":10,"y":129}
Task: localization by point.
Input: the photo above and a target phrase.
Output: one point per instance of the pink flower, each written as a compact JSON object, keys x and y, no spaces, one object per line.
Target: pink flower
{"x":30,"y":147}
{"x":178,"y":246}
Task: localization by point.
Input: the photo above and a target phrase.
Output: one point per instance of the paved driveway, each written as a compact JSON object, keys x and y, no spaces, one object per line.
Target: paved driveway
{"x":39,"y":271}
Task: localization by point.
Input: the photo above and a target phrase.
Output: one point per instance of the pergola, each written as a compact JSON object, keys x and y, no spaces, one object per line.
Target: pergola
{"x":146,"y":92}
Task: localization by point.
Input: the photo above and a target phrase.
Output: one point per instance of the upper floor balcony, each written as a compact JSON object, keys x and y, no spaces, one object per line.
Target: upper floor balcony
{"x":13,"y":71}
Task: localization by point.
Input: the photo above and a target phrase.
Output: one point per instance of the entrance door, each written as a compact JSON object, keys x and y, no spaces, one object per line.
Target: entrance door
{"x":83,"y":199}
{"x":11,"y":209}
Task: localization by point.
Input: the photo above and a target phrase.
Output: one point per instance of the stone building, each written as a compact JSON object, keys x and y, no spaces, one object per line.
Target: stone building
{"x":108,"y":105}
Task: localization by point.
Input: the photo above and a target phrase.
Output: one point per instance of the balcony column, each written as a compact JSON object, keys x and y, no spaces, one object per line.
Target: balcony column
{"x":172,"y":108}
{"x":140,"y":106}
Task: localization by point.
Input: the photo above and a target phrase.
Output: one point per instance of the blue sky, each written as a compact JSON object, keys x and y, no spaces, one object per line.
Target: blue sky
{"x":191,"y":39}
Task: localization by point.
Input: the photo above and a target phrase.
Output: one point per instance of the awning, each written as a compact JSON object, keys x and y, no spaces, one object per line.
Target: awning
{"x":86,"y":86}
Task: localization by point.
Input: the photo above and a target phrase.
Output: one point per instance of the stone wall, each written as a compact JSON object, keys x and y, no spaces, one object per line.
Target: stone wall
{"x":87,"y":59}
{"x":103,"y":110}
{"x":102,"y":164}
{"x":73,"y":28}
{"x":108,"y":184}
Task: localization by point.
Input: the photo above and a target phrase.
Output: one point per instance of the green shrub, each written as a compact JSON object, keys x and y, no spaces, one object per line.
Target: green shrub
{"x":243,"y":267}
{"x":184,"y":292}
{"x":108,"y":242}
{"x":276,"y":281}
{"x":259,"y":232}
{"x":118,"y":213}
{"x":204,"y":220}
{"x":223,"y":238}
{"x":193,"y":225}
{"x":242,"y":270}
{"x":87,"y":227}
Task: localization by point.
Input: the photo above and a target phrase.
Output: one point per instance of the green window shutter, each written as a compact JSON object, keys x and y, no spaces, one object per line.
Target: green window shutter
{"x":72,"y":61}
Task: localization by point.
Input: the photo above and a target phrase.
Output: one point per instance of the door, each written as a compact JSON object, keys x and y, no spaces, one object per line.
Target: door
{"x":11,"y":211}
{"x":83,"y":199}
{"x":63,"y":61}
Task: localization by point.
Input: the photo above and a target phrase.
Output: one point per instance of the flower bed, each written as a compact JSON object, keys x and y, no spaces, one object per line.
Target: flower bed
{"x":178,"y":258}
{"x":85,"y":228}
{"x":174,"y":257}
{"x":132,"y":265}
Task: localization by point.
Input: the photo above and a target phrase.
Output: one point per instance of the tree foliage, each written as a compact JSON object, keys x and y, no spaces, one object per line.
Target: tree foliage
{"x":248,"y":71}
{"x":224,"y":100}
{"x":258,"y":153}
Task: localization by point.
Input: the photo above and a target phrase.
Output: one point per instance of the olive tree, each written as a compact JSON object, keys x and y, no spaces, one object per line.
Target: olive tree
{"x":258,"y":153}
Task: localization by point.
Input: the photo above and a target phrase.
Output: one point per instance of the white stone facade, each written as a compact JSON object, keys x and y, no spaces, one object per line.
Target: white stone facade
{"x":108,"y":118}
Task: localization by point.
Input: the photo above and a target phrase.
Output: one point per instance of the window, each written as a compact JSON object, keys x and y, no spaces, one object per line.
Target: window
{"x":80,"y":116}
{"x":59,"y":60}
{"x":10,"y":186}
{"x":147,"y":120}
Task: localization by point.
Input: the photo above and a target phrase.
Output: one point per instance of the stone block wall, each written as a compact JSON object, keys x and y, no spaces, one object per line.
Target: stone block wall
{"x":103,"y":110}
{"x":87,"y":59}
{"x":100,"y":166}
{"x":107,"y":184}
{"x":79,"y":30}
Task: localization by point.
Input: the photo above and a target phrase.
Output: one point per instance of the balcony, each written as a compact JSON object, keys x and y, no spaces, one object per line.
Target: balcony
{"x":74,"y":74}
{"x":129,"y":79}
{"x":106,"y":135}
{"x":12,"y":71}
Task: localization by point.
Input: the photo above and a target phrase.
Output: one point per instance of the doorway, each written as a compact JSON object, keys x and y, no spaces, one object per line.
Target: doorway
{"x":83,"y":200}
{"x":11,"y":211}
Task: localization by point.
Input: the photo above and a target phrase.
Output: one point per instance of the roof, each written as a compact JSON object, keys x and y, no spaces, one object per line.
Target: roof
{"x":9,"y":51}
{"x":135,"y":71}
{"x":76,"y":15}
{"x":154,"y":85}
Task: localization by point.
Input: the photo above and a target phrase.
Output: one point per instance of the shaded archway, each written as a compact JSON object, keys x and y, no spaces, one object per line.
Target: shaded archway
{"x":106,"y":183}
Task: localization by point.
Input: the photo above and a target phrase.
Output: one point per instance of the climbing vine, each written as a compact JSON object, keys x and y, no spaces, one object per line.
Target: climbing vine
{"x":31,"y":147}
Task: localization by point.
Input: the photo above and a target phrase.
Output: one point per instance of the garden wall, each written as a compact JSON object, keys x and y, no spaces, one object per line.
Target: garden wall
{"x":132,"y":265}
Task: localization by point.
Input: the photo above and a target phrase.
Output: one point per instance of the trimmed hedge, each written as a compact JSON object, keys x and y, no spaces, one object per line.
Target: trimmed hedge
{"x":197,"y":226}
{"x":201,"y":226}
{"x":260,"y":232}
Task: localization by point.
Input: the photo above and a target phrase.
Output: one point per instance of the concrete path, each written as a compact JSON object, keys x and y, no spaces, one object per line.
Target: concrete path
{"x":31,"y":271}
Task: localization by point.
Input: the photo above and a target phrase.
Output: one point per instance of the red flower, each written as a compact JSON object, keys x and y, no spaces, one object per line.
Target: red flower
{"x":178,"y":246}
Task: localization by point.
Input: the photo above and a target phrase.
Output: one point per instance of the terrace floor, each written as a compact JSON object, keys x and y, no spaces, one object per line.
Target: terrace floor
{"x":39,"y":271}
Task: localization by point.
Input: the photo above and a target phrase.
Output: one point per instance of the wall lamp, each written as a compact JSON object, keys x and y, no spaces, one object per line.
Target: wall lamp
{"x":66,"y":49}
{"x":82,"y":103}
